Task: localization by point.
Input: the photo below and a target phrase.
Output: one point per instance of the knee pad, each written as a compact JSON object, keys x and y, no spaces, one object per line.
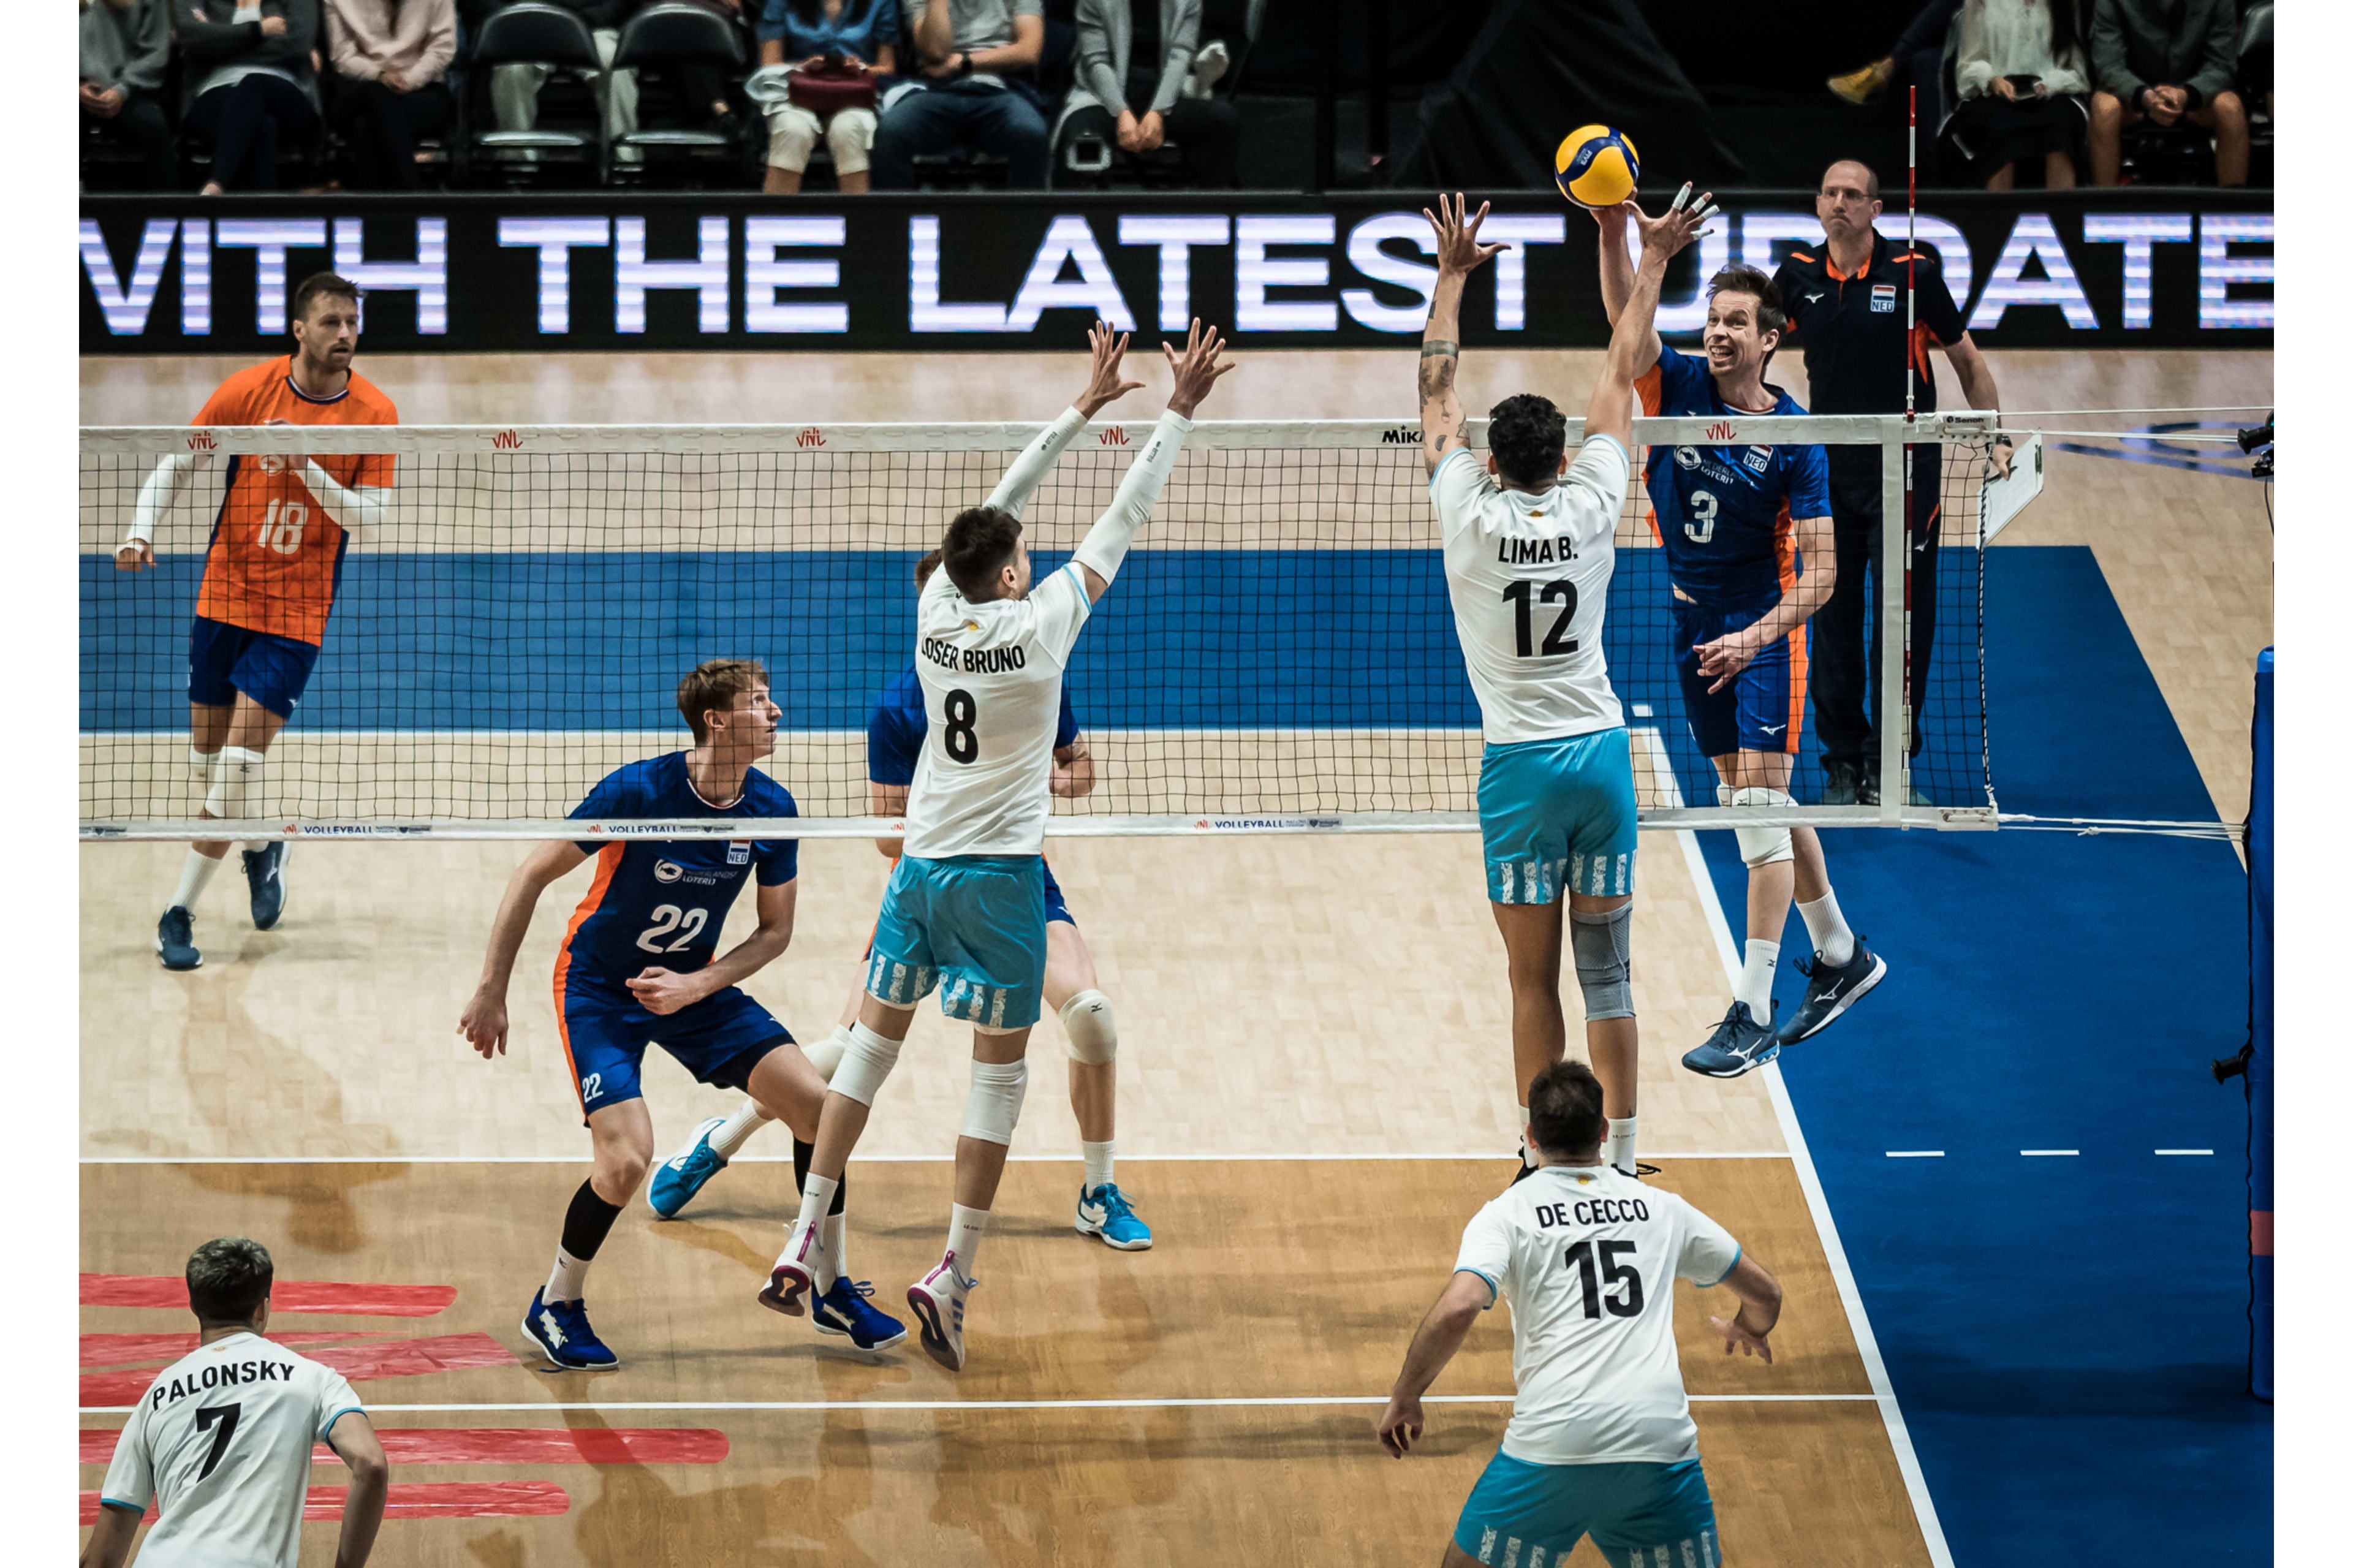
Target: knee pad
{"x":994,"y":1106}
{"x":237,"y":784}
{"x":1762,"y":846}
{"x":202,"y":763}
{"x":1090,"y":1035}
{"x":1602,"y":944}
{"x":865,"y":1062}
{"x":825,"y":1055}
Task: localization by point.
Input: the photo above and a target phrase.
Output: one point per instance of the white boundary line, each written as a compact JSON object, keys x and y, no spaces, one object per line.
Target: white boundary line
{"x":1267,"y":1403}
{"x":861,"y":1159}
{"x":1866,"y":1344}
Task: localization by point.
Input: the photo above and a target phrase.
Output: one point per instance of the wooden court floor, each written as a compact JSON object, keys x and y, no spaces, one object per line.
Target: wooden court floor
{"x":1295,"y":1014}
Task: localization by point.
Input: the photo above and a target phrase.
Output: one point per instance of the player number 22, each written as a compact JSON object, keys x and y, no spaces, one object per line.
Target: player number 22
{"x":1561,"y":592}
{"x":1625,"y":1297}
{"x":1702,"y":528}
{"x":669,"y":918}
{"x":281,"y":526}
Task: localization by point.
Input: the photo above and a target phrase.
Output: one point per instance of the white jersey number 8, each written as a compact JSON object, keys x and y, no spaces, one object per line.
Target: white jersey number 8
{"x":669,"y":918}
{"x":1703,"y":508}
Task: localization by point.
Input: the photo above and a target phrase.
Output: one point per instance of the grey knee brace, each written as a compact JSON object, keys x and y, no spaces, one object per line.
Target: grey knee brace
{"x":1601,"y":943}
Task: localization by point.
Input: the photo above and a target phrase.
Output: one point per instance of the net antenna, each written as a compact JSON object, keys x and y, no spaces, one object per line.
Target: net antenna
{"x":1281,"y":656}
{"x":1902,"y":706}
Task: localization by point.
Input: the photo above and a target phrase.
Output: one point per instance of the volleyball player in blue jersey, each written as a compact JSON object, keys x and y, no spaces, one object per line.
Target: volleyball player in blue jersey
{"x":1746,"y":532}
{"x":640,"y":965}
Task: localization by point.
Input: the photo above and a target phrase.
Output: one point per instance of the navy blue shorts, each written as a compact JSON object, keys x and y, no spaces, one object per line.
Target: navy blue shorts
{"x":224,"y":660}
{"x":1055,"y":908}
{"x":719,"y":1039}
{"x":1763,"y":708}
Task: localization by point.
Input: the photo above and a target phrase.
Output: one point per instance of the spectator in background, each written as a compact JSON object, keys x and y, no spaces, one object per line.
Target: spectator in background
{"x":1918,"y":56}
{"x":1140,"y":52}
{"x":251,"y":84}
{"x":392,"y":57}
{"x":2023,"y":76}
{"x":835,"y":50}
{"x":971,"y":95}
{"x":125,"y":45}
{"x":2166,"y":61}
{"x":514,"y":89}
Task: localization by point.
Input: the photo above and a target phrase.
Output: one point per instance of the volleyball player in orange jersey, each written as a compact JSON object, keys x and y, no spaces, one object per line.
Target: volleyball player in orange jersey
{"x":270,"y":573}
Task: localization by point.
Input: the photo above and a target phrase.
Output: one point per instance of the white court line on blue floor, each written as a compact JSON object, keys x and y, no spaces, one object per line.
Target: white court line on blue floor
{"x":1126,"y":1158}
{"x":1915,"y":1154}
{"x":1866,"y":1344}
{"x":1242,"y":1402}
{"x":2051,"y":1153}
{"x":2207,"y":1151}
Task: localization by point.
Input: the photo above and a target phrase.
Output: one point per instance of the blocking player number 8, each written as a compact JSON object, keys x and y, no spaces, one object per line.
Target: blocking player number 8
{"x":1561,"y":592}
{"x":963,"y":712}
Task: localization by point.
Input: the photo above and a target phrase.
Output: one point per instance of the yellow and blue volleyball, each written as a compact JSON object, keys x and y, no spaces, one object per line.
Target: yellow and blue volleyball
{"x":1597,"y":166}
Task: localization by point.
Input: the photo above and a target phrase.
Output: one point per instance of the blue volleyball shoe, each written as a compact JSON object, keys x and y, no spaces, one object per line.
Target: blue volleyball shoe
{"x":1830,"y":991}
{"x":679,"y":1177}
{"x":175,"y":940}
{"x":561,"y":1331}
{"x":845,"y":1311}
{"x":265,"y":883}
{"x":1105,"y":1211}
{"x":1739,"y":1044}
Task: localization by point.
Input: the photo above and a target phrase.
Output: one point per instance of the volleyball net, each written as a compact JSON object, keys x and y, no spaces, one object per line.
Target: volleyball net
{"x":1279,"y":653}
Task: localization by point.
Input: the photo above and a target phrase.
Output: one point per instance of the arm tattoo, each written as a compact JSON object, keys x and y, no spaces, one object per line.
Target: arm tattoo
{"x":1437,"y":367}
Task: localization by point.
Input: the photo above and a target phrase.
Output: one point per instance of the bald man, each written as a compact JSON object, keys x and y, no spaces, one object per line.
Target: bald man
{"x":1845,"y":304}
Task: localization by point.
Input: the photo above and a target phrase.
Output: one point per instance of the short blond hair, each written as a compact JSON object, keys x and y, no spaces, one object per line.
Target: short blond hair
{"x":714,"y":684}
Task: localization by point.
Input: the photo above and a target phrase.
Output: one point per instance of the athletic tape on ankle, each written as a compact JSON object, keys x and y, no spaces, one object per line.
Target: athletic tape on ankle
{"x":1763,"y":846}
{"x":1601,"y":943}
{"x":200,"y":764}
{"x":993,"y":1108}
{"x":866,"y":1061}
{"x":1089,"y":1035}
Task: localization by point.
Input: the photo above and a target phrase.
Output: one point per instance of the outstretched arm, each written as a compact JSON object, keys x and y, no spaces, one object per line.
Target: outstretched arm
{"x":1105,"y":546}
{"x":1633,"y":338}
{"x":1104,"y":386}
{"x":354,"y":1439}
{"x":1434,"y":1343}
{"x":1459,"y":254}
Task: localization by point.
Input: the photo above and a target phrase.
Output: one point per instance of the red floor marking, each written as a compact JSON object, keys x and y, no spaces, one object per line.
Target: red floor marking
{"x":122,"y":1349}
{"x":381,"y":1358}
{"x":285,"y":1296}
{"x":424,"y":1499}
{"x":512,"y":1446}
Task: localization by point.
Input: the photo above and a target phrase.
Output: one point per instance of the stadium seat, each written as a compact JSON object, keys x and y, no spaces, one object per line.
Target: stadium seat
{"x":532,"y":32}
{"x":663,"y":38}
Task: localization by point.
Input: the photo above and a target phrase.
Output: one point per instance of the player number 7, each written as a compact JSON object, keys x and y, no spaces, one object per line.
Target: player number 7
{"x":225,"y":1417}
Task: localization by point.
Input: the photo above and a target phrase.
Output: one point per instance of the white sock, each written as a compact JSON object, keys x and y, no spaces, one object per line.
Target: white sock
{"x":817,"y":1198}
{"x":1098,"y":1162}
{"x":729,"y":1137}
{"x":1619,"y":1146}
{"x":1755,"y":986}
{"x":564,"y":1284}
{"x":833,"y":1236}
{"x":195,"y":872}
{"x":1829,"y":928}
{"x":965,"y":1226}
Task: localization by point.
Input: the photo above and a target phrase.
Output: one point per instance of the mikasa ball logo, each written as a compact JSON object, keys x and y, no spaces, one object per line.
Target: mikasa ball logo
{"x":666,"y":871}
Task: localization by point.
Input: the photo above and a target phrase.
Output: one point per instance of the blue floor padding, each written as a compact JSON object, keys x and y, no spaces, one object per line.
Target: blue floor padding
{"x":2067,"y":1336}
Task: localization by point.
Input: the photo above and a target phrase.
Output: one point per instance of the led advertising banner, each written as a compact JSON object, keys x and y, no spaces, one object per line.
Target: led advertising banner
{"x":612,"y":270}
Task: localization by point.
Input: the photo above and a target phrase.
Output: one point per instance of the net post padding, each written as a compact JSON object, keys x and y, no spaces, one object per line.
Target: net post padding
{"x":1278,"y":657}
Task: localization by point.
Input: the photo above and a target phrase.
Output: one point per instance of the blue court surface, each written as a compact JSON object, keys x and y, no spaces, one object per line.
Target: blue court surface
{"x":2067,"y":1333}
